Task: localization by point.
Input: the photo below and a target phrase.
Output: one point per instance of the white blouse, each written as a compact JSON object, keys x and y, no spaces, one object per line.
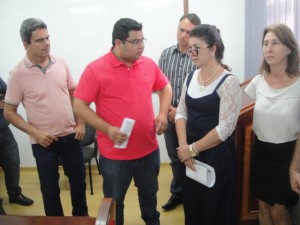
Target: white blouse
{"x":230,"y":101}
{"x":276,"y":117}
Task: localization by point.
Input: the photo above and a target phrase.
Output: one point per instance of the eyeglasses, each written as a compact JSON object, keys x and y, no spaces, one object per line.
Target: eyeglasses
{"x":195,"y":51}
{"x":137,"y":42}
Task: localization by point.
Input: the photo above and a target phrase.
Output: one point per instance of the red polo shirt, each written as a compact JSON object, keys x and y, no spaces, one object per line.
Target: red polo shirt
{"x":119,"y":91}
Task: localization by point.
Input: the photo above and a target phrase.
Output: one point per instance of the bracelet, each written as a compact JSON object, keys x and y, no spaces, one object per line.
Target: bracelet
{"x":190,"y":148}
{"x":192,"y":153}
{"x":194,"y":149}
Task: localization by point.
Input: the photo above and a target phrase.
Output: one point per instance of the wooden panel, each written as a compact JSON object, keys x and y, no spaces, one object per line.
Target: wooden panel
{"x":247,"y":204}
{"x":46,"y":220}
{"x":105,"y":216}
{"x":107,"y":212}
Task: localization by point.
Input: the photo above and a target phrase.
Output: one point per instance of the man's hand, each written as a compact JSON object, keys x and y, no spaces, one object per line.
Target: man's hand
{"x":172,"y":114}
{"x":116,"y":136}
{"x":161,"y":123}
{"x":43,"y":138}
{"x":79,"y":131}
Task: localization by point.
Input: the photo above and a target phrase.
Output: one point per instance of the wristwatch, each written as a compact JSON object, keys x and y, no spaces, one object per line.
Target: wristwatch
{"x":192,"y":152}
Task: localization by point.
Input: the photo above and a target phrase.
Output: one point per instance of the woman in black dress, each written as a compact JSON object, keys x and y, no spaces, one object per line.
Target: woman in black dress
{"x":206,"y":118}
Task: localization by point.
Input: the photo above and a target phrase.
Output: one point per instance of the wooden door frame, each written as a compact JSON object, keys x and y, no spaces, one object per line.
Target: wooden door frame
{"x":185,"y":7}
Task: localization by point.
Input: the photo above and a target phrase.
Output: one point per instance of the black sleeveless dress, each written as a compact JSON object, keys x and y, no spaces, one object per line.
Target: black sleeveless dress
{"x":215,"y":205}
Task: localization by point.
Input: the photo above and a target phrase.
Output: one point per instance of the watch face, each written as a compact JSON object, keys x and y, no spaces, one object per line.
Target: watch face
{"x":193,"y":154}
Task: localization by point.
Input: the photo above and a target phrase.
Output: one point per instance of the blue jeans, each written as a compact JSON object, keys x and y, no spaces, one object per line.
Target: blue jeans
{"x":68,"y":149}
{"x":177,"y":167}
{"x":10,"y":162}
{"x":117,"y":176}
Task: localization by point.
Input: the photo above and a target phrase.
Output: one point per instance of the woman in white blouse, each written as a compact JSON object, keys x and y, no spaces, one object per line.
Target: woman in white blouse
{"x":276,"y":124}
{"x":205,"y":120}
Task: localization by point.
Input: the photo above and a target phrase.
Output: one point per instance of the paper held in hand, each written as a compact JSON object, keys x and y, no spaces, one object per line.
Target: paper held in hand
{"x":126,"y":127}
{"x":204,"y":174}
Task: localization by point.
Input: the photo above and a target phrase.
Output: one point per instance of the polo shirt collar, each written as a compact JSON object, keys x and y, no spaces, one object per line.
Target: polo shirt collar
{"x":29,"y":64}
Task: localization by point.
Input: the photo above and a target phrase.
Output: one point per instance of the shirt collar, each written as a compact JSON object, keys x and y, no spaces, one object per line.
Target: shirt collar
{"x":29,"y":64}
{"x":176,"y":50}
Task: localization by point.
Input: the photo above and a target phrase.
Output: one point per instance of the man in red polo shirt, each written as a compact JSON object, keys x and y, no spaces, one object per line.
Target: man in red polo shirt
{"x":121,"y":84}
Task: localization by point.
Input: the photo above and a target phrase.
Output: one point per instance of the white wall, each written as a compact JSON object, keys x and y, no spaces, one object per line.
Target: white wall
{"x":229,"y":17}
{"x":80,"y":31}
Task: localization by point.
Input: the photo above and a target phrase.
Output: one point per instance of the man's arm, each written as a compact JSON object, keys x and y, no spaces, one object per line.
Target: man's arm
{"x":165,"y":98}
{"x":83,"y":110}
{"x":295,"y":168}
{"x":79,"y":127}
{"x":43,"y":138}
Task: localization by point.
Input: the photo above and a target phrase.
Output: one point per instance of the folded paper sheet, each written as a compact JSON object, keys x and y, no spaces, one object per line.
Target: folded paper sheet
{"x":204,"y":174}
{"x":126,"y":128}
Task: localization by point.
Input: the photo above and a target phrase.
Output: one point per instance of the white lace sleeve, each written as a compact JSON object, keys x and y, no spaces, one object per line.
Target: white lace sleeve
{"x":230,"y":105}
{"x":181,"y":112}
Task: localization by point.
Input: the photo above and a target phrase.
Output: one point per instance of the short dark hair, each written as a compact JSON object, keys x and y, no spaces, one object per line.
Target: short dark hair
{"x":211,"y":35}
{"x":192,"y":17}
{"x":286,"y":37}
{"x":122,"y":28}
{"x":29,"y":25}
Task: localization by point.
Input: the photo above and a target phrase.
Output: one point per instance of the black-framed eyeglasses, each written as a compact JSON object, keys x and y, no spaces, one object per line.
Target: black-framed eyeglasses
{"x":195,"y":51}
{"x":137,"y":42}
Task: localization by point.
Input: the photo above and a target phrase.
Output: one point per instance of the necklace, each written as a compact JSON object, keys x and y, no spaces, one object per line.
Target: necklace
{"x":203,"y":82}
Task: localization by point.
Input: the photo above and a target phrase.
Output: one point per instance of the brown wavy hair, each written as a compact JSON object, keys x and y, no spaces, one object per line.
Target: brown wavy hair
{"x":286,"y":37}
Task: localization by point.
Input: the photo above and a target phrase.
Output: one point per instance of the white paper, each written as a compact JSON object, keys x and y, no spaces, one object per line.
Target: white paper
{"x":126,"y":128}
{"x":204,"y":174}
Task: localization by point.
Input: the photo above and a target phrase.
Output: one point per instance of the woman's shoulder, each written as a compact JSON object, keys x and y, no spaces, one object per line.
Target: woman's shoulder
{"x":229,"y":77}
{"x":257,"y":78}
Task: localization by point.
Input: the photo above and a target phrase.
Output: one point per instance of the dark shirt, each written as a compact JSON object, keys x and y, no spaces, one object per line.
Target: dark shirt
{"x":176,"y":67}
{"x":3,"y":122}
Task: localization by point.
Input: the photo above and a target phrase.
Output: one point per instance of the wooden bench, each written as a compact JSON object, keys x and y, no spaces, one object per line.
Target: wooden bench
{"x":105,"y":216}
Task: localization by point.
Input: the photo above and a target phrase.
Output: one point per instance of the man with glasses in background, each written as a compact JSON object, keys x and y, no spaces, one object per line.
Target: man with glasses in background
{"x":176,"y":64}
{"x":121,"y":84}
